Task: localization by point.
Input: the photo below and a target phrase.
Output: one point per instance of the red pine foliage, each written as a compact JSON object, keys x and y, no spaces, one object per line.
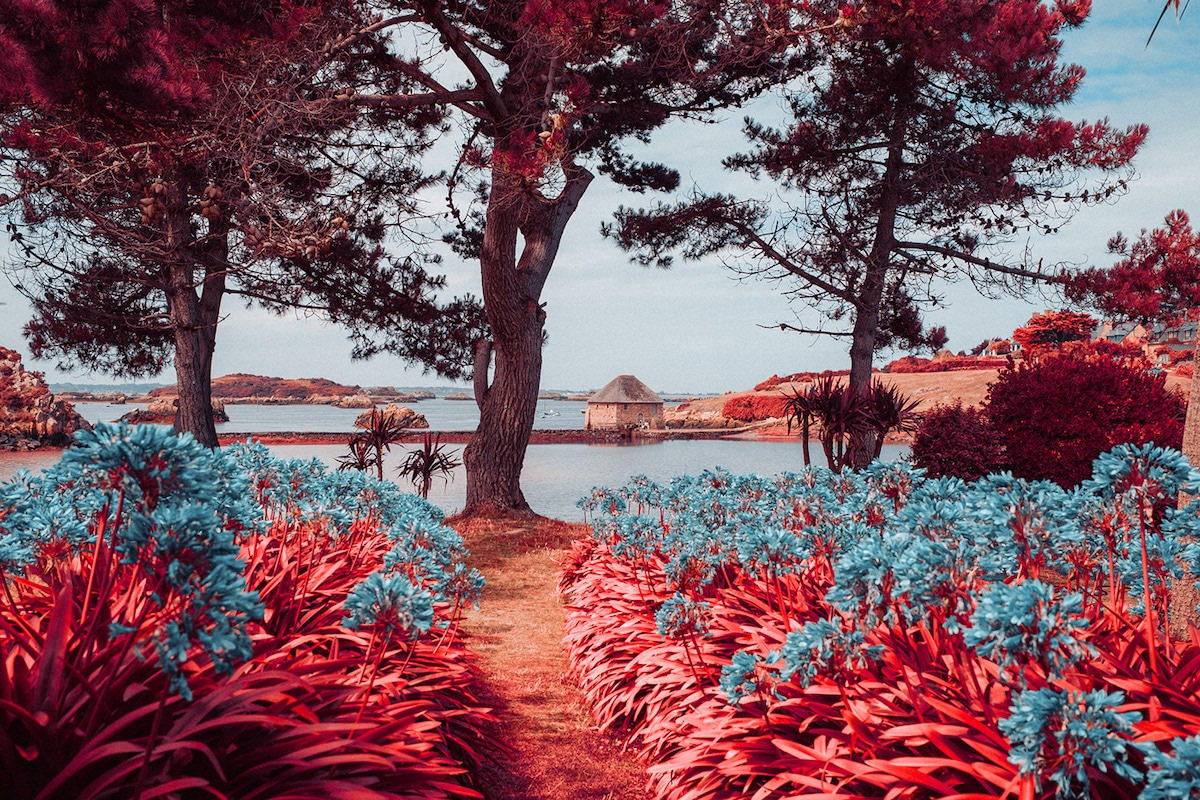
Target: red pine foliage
{"x":1157,"y":279}
{"x":1053,"y":329}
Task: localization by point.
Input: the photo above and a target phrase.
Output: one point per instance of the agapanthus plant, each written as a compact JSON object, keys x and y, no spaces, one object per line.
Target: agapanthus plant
{"x":170,"y":623}
{"x":881,"y":634}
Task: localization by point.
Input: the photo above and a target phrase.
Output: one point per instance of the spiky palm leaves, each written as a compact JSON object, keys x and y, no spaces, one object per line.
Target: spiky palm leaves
{"x":843,"y":417}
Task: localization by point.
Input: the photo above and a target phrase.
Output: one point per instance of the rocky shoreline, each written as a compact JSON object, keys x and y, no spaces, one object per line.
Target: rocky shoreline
{"x":30,"y":415}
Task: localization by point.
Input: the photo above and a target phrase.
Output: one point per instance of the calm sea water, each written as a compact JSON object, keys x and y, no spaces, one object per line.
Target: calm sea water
{"x":555,"y":476}
{"x":442,"y":415}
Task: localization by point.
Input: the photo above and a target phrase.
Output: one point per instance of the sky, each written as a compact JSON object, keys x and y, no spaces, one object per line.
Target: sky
{"x":695,"y":328}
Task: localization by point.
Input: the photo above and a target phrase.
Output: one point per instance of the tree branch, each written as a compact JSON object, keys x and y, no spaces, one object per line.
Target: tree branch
{"x":460,"y":98}
{"x":789,"y":266}
{"x":783,"y":326}
{"x":988,"y":264}
{"x":458,"y":43}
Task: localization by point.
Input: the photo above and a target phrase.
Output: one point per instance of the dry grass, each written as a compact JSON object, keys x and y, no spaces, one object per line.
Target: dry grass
{"x":556,"y":751}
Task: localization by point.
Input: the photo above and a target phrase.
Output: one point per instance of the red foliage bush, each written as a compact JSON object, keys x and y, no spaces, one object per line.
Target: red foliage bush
{"x":1055,"y":417}
{"x":1184,"y":356}
{"x":1185,"y":370}
{"x":956,"y":441}
{"x":1053,"y":329}
{"x":797,"y":377}
{"x":755,"y":407}
{"x":910,"y":364}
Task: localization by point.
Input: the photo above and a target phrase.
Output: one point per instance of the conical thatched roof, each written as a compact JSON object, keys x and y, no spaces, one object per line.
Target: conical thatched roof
{"x":625,"y":389}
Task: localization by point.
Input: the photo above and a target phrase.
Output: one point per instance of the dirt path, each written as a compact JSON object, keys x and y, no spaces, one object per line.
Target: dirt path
{"x":517,"y":633}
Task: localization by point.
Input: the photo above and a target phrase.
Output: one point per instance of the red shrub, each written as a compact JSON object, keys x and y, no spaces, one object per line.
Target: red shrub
{"x":909,"y":364}
{"x":1184,"y":356}
{"x":797,"y":377}
{"x":755,"y":407}
{"x":1185,"y":370}
{"x":956,"y":441}
{"x":1055,"y":417}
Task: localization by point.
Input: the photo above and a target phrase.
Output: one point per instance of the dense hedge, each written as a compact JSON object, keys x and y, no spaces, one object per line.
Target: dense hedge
{"x":919,"y":364}
{"x":1051,"y":418}
{"x":880,"y":634}
{"x":755,"y":407}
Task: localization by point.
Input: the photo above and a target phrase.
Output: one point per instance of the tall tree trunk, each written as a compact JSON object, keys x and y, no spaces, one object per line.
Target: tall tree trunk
{"x":870,"y":294}
{"x":194,"y":312}
{"x":1191,"y":425}
{"x":512,"y":289}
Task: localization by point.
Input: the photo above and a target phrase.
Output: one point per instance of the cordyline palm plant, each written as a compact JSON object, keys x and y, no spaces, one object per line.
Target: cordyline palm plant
{"x":429,"y":461}
{"x":360,"y":456}
{"x":842,"y":417}
{"x":379,"y":434}
{"x":889,"y":411}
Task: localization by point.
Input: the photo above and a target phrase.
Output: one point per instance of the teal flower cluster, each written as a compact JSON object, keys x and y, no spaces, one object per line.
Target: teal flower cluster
{"x":1173,"y":774}
{"x":1057,"y":735}
{"x":390,"y":603}
{"x":1016,"y":624}
{"x":429,"y":554}
{"x":856,"y":567}
{"x":168,"y":507}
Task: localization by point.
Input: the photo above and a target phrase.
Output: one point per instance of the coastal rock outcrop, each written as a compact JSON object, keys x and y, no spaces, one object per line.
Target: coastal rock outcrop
{"x":389,"y":394}
{"x":29,"y":414}
{"x":161,"y":411}
{"x":692,"y":416}
{"x":352,"y":401}
{"x":263,"y":390}
{"x":400,"y":416}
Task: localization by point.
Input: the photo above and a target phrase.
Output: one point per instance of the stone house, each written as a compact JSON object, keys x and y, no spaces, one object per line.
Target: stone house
{"x":625,"y":403}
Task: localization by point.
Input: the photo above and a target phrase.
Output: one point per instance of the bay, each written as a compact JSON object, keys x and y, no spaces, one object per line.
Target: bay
{"x":440,"y":413}
{"x":554,"y":478}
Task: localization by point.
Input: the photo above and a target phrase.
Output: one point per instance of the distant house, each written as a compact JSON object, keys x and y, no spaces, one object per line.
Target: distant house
{"x":624,"y":403}
{"x":1168,"y":344}
{"x":1159,"y":342}
{"x":1002,"y":347}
